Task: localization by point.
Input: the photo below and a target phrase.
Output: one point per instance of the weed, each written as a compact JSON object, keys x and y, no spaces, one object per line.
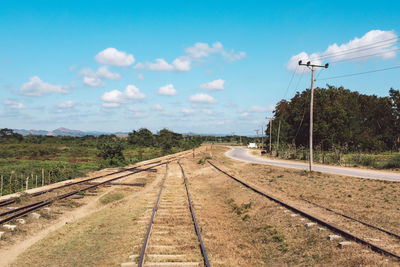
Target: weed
{"x":111,"y":197}
{"x":200,"y":161}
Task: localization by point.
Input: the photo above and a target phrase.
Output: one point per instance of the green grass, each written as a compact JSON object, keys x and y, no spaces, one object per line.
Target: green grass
{"x":111,"y":197}
{"x":59,"y":162}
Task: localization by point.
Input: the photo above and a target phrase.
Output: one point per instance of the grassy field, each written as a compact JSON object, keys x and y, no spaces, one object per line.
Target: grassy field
{"x":58,"y":162}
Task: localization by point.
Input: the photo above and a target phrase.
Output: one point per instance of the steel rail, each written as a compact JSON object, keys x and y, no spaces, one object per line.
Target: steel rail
{"x":203,"y":250}
{"x":312,"y":218}
{"x":48,"y":202}
{"x":13,"y":200}
{"x":39,"y":202}
{"x":146,"y":239}
{"x":354,"y":219}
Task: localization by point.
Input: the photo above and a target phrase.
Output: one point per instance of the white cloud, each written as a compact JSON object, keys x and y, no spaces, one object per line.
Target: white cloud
{"x":180,"y":64}
{"x":202,"y":98}
{"x":67,"y":104}
{"x":200,"y":50}
{"x":214,"y":85}
{"x":207,"y":111}
{"x":187,"y":111}
{"x":36,"y":87}
{"x":244,"y":115}
{"x":112,"y":56}
{"x":157,"y":107}
{"x":159,"y":65}
{"x":375,"y":43}
{"x":131,"y":94}
{"x":95,"y":79}
{"x":13,"y":105}
{"x":104,"y":73}
{"x":168,"y":89}
{"x":110,"y":105}
{"x":260,"y":109}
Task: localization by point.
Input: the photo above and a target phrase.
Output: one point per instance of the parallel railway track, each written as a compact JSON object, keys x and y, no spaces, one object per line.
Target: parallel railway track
{"x":23,"y":210}
{"x":322,"y":222}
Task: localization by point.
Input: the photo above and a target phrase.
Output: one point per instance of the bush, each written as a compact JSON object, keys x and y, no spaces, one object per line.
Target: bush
{"x":394,"y":162}
{"x":111,"y":151}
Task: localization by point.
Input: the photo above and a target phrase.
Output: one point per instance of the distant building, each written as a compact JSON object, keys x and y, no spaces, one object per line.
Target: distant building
{"x":252,"y":145}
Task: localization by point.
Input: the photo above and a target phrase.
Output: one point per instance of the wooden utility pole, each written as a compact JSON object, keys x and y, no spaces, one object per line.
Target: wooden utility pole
{"x":257,"y":136}
{"x":270,"y":135}
{"x":277,"y":139}
{"x":312,"y":67}
{"x":262,"y":138}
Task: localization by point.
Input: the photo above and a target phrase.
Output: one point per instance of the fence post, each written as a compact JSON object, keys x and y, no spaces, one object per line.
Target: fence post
{"x":27,"y":183}
{"x":42,"y":177}
{"x":1,"y":192}
{"x":35,"y":181}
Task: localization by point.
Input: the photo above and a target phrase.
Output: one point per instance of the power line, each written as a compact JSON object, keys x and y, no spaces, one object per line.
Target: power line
{"x":360,"y":48}
{"x":364,"y":56}
{"x":359,"y":73}
{"x":333,"y":55}
{"x":290,"y":82}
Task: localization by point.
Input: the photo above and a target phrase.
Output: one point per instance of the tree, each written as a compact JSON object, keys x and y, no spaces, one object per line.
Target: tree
{"x":110,"y":149}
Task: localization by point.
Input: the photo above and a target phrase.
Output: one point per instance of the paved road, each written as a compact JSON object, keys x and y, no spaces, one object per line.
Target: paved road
{"x":240,"y":153}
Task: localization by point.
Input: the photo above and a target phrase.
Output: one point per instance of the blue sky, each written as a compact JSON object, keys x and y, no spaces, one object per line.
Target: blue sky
{"x":190,"y":66}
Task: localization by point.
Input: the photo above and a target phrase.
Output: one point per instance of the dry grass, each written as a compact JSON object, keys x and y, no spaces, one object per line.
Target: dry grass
{"x":266,"y":232}
{"x":239,"y":228}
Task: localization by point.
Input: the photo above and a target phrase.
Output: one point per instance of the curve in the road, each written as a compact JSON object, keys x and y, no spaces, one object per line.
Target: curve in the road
{"x":242,"y":154}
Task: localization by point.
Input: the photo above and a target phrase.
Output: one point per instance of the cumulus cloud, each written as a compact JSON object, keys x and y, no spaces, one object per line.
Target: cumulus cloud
{"x":157,"y":107}
{"x":188,"y":111}
{"x":111,"y":56}
{"x":207,"y":111}
{"x":67,"y":104}
{"x":200,"y":50}
{"x":36,"y":87}
{"x":244,"y":115}
{"x":260,"y":109}
{"x":180,"y":64}
{"x":13,"y":105}
{"x":110,"y":105}
{"x":202,"y":98}
{"x":95,"y":79}
{"x":104,"y":73}
{"x":375,"y":43}
{"x":168,"y":90}
{"x":213,"y":85}
{"x":195,"y":52}
{"x":131,"y":94}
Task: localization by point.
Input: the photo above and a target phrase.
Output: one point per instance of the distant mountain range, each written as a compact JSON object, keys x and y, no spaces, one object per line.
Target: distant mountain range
{"x":65,"y":132}
{"x":68,"y":132}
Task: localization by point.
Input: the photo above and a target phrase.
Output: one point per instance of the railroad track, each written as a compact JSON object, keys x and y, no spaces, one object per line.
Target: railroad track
{"x":10,"y":201}
{"x":172,"y":237}
{"x":11,"y":214}
{"x":359,"y":237}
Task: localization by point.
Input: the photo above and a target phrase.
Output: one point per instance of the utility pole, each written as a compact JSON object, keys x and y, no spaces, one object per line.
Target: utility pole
{"x":312,"y":67}
{"x":270,"y":135}
{"x":277,"y":140}
{"x":262,"y":138}
{"x":258,"y":139}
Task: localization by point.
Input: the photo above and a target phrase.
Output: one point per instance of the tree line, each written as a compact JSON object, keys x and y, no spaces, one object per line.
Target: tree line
{"x":343,"y":119}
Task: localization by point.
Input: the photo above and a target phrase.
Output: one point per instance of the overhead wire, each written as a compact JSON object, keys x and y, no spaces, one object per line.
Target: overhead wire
{"x":360,"y":73}
{"x":357,"y":49}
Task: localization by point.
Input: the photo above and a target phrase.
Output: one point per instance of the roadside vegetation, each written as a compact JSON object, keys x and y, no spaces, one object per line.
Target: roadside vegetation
{"x":350,"y":128}
{"x":49,"y":159}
